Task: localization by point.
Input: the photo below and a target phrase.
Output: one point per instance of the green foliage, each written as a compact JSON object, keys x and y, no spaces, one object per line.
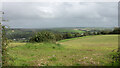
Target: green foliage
{"x":116,"y":59}
{"x":23,"y":35}
{"x":4,"y":47}
{"x":68,"y":35}
{"x":105,"y":32}
{"x":77,"y":35}
{"x":52,"y":59}
{"x":116,"y":30}
{"x":58,"y":36}
{"x":43,"y":36}
{"x":46,"y":36}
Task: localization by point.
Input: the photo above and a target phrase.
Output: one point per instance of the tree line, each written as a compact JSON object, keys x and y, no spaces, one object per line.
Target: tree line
{"x":47,"y":36}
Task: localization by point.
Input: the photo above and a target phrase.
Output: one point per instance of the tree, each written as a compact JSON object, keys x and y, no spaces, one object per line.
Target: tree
{"x":116,"y":30}
{"x":68,"y":35}
{"x":58,"y":36}
{"x":43,"y":36}
{"x":77,"y":35}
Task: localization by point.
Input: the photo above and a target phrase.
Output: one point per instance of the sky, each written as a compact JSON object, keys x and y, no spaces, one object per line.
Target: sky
{"x":60,"y":14}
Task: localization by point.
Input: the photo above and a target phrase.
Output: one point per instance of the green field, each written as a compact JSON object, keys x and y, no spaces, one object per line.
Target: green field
{"x":83,"y":51}
{"x":68,"y":30}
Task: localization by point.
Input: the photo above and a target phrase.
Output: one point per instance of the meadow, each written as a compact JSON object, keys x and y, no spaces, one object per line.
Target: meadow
{"x":82,"y":51}
{"x":68,"y":30}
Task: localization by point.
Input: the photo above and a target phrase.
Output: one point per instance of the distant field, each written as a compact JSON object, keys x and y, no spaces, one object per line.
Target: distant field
{"x":69,"y":30}
{"x":83,"y":51}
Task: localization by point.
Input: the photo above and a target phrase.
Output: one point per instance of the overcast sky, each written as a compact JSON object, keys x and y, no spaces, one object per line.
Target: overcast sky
{"x":60,"y":14}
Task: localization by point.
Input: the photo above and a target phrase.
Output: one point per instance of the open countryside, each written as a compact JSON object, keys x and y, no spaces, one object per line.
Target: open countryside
{"x":83,"y":51}
{"x":53,"y":34}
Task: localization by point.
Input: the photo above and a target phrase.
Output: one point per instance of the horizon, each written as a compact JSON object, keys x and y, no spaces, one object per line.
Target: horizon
{"x":57,"y":27}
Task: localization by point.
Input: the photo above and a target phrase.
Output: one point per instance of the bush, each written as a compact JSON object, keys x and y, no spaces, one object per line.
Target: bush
{"x":116,"y":59}
{"x":116,"y":31}
{"x":68,"y":35}
{"x":58,"y":36}
{"x":77,"y":35}
{"x":43,"y":36}
{"x":115,"y":55}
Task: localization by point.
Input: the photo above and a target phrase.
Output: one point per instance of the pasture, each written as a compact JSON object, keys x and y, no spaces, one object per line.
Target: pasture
{"x":81,"y":51}
{"x":68,"y":30}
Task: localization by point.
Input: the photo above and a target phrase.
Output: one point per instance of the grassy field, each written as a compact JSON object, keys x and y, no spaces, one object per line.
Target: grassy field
{"x":68,"y":30}
{"x":83,"y":51}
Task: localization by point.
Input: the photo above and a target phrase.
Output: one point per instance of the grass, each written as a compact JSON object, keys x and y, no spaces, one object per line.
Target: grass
{"x":83,"y":51}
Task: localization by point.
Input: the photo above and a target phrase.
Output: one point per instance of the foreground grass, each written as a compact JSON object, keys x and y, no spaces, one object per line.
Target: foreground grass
{"x":83,"y":51}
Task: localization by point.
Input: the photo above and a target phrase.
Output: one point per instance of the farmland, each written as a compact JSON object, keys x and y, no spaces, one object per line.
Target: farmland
{"x":81,"y":51}
{"x":68,"y":30}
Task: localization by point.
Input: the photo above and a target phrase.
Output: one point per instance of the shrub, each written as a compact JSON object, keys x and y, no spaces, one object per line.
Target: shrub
{"x":77,"y":35}
{"x":115,"y":31}
{"x":68,"y":35}
{"x":116,"y":59}
{"x":43,"y":36}
{"x":58,"y":36}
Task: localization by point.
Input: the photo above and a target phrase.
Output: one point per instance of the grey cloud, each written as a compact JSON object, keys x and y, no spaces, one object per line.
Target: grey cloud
{"x":60,"y":14}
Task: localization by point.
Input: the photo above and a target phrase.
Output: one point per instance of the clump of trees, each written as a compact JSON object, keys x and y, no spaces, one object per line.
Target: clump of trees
{"x":68,"y":35}
{"x":47,"y":36}
{"x":105,"y":32}
{"x":59,"y":36}
{"x":43,"y":36}
{"x":116,"y":31}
